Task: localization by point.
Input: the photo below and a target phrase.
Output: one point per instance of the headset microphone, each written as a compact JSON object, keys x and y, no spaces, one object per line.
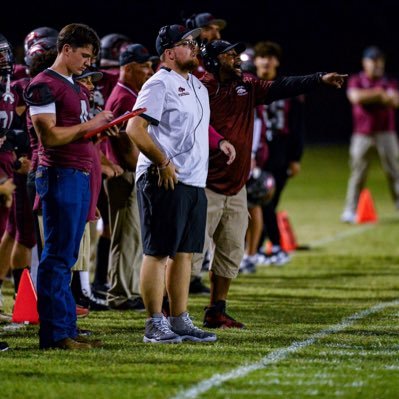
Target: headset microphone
{"x":211,"y":63}
{"x":164,"y":36}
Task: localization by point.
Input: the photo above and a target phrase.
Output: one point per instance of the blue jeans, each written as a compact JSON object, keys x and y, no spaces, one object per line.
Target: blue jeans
{"x":65,"y":198}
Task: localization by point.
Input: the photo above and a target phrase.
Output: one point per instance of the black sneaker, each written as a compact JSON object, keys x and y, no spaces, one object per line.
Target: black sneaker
{"x":93,"y":302}
{"x":138,"y":304}
{"x":198,"y":287}
{"x":130,"y":304}
{"x":100,"y":290}
{"x":4,"y":346}
{"x":84,"y":333}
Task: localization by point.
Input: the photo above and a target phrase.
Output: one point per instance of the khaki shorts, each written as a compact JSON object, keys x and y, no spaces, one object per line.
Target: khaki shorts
{"x":226,"y":225}
{"x":83,"y":262}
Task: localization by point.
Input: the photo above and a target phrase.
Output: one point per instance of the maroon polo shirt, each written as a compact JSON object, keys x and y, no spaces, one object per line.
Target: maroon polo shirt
{"x":371,"y":118}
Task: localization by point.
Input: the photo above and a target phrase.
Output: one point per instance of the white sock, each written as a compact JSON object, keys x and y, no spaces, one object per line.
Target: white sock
{"x":85,"y":283}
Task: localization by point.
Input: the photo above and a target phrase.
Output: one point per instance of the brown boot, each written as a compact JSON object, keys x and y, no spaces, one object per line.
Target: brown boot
{"x":70,"y":344}
{"x":94,"y":343}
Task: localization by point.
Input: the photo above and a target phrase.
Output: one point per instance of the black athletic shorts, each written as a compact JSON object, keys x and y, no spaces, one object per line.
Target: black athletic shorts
{"x":171,"y":220}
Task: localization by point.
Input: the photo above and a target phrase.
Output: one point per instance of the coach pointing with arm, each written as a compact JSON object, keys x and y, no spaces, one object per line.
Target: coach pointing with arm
{"x":233,"y":97}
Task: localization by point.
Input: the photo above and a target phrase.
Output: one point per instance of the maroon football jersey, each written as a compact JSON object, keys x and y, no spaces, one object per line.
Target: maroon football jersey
{"x":121,"y":100}
{"x":232,"y":115}
{"x":371,"y":118}
{"x":19,"y":72}
{"x":8,"y":103}
{"x":72,"y":108}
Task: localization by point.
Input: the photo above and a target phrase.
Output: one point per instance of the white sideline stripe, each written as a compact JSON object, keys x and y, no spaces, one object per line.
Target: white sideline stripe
{"x":279,"y":354}
{"x":340,"y":236}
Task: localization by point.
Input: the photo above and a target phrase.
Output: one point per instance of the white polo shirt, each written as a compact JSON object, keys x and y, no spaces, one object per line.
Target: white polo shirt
{"x":178,"y":110}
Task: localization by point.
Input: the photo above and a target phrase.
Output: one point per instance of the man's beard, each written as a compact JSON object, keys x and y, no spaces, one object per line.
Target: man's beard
{"x":188,"y":66}
{"x":231,"y":72}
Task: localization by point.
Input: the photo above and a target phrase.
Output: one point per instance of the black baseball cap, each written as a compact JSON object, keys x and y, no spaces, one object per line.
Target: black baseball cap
{"x":134,"y":53}
{"x":205,"y":19}
{"x":217,"y":47}
{"x":90,"y":71}
{"x":169,"y":35}
{"x":373,"y":52}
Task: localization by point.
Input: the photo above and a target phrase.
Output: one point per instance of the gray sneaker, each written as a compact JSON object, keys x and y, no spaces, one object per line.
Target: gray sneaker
{"x":158,"y":331}
{"x":183,"y":326}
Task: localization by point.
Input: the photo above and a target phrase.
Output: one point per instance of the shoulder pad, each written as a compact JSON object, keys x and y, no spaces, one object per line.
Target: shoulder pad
{"x":38,"y":94}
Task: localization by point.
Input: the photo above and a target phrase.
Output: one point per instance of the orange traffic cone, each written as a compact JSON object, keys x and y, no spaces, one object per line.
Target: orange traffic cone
{"x":287,"y":237}
{"x":25,"y":307}
{"x":365,"y":212}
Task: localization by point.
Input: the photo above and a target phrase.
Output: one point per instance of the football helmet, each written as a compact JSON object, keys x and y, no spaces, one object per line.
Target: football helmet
{"x":260,"y":188}
{"x":111,"y":46}
{"x":40,"y":47}
{"x":7,"y":60}
{"x":39,"y":33}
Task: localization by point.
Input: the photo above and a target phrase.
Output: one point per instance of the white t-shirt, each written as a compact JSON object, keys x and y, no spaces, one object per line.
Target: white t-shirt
{"x":178,"y":110}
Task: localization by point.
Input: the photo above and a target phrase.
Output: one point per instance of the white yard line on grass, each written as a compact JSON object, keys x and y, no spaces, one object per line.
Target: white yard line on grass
{"x":279,"y":354}
{"x":339,"y":236}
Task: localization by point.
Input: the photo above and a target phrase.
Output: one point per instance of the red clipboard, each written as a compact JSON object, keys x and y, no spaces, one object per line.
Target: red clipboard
{"x":114,"y":122}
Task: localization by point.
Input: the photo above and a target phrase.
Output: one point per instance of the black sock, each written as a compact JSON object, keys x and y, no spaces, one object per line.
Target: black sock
{"x":220,"y":305}
{"x":76,"y":287}
{"x":101,"y":272}
{"x":16,"y":274}
{"x":1,"y":283}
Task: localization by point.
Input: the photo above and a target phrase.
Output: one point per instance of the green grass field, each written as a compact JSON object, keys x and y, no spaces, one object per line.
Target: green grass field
{"x":324,"y":326}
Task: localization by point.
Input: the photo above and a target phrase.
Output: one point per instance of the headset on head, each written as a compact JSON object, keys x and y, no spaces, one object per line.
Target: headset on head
{"x":211,"y":63}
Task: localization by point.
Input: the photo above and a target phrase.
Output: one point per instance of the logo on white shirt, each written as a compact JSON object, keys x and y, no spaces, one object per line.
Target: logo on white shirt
{"x":182,"y":92}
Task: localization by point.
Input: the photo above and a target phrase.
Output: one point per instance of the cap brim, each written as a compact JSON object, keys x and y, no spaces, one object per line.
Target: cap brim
{"x":95,"y":76}
{"x":221,"y":23}
{"x":194,"y":33}
{"x":238,"y":47}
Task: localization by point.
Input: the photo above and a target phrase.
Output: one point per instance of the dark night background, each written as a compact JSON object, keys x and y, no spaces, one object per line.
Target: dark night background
{"x":315,"y":36}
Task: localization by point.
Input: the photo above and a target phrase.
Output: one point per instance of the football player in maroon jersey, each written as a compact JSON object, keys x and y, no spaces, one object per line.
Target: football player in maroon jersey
{"x":9,"y":100}
{"x":59,"y":109}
